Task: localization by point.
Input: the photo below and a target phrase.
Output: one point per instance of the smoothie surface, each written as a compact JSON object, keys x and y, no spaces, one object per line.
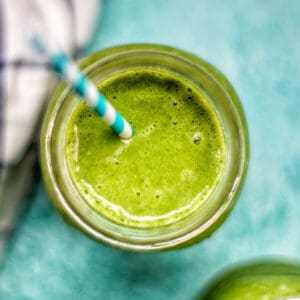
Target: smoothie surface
{"x":166,"y":170}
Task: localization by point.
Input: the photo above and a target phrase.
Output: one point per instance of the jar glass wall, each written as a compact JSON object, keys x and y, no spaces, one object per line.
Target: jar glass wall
{"x":199,"y":223}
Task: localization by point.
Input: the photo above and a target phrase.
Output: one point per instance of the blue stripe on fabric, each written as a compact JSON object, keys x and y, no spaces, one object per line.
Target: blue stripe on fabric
{"x":20,"y":63}
{"x":100,"y":107}
{"x":118,"y":125}
{"x":59,"y":63}
{"x":81,"y":85}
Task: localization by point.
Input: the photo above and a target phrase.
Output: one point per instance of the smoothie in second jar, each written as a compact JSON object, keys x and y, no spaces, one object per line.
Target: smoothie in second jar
{"x":260,"y":281}
{"x":170,"y":166}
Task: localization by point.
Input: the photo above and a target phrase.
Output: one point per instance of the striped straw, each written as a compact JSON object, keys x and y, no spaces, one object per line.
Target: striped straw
{"x":65,"y":67}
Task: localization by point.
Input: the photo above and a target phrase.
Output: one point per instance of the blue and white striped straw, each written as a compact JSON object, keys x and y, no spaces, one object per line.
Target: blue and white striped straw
{"x":65,"y":67}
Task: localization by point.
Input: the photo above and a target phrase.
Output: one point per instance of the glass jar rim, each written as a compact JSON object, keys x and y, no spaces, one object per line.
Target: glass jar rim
{"x":78,"y":216}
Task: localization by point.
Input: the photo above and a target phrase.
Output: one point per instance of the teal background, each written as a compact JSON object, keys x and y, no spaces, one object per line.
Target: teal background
{"x":256,"y":44}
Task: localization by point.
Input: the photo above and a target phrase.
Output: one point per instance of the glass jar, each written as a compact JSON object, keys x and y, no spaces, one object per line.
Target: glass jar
{"x":270,"y":279}
{"x":203,"y":221}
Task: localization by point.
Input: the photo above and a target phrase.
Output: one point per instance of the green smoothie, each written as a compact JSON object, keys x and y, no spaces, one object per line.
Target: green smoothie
{"x":272,"y":287}
{"x":262,"y":281}
{"x":170,"y":166}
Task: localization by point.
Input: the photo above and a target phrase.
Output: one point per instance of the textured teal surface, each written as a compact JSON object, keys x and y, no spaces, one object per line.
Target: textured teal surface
{"x":256,"y":44}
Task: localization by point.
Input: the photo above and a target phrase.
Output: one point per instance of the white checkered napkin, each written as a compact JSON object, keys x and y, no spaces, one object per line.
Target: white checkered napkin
{"x":24,"y":77}
{"x":25,"y":82}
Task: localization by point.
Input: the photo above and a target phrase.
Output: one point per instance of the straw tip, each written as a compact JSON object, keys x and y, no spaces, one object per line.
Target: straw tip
{"x":128,"y":131}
